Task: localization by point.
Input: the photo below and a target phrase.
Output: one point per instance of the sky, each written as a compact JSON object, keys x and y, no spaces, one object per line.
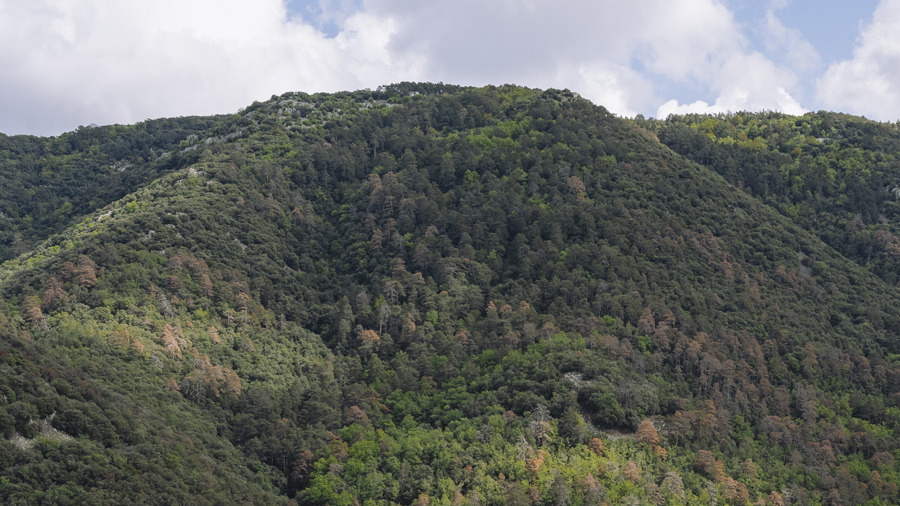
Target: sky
{"x":66,"y":63}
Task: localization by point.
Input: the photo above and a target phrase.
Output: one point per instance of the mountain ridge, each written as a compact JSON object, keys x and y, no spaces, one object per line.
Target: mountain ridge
{"x":388,"y":276}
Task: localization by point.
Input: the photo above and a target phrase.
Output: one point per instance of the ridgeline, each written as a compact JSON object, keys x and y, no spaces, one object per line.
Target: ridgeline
{"x":435,"y":294}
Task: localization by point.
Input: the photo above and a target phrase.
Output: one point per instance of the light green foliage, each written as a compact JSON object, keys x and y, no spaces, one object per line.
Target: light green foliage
{"x":378,"y":296}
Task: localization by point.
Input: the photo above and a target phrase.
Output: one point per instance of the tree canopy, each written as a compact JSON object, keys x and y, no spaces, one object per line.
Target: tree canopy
{"x":436,"y":294}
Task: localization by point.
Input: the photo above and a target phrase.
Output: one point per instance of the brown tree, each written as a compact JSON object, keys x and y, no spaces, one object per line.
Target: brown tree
{"x":596,"y":446}
{"x":705,"y":462}
{"x":409,"y":328}
{"x":647,"y":434}
{"x":660,"y":452}
{"x":31,"y":309}
{"x":66,"y":271}
{"x":736,"y":492}
{"x":303,"y":465}
{"x":577,"y":188}
{"x":392,"y":291}
{"x":533,"y":465}
{"x":646,"y":323}
{"x":54,"y":296}
{"x":632,"y":472}
{"x":214,"y":334}
{"x":172,"y":385}
{"x":85,"y":273}
{"x":243,"y":301}
{"x":775,"y":499}
{"x":169,"y":342}
{"x":398,"y":268}
{"x":369,"y":338}
{"x":206,"y":285}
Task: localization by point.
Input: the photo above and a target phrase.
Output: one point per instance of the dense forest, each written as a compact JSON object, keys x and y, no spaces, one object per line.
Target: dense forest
{"x":431,"y":294}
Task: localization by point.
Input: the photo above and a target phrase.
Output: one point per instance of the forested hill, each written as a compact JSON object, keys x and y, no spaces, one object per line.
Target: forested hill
{"x":436,"y":294}
{"x":836,"y":175}
{"x":47,"y":184}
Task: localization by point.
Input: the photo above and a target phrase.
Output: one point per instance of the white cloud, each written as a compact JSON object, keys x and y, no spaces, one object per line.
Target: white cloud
{"x":615,"y":87}
{"x":70,"y":62}
{"x":685,"y":40}
{"x":735,"y":99}
{"x":583,"y":45}
{"x":740,"y":78}
{"x":596,"y":48}
{"x":869,"y":83}
{"x":797,"y":52}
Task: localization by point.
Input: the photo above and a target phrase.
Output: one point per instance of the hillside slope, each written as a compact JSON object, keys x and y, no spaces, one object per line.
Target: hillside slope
{"x":834,"y":174}
{"x":436,"y":293}
{"x":48,"y":183}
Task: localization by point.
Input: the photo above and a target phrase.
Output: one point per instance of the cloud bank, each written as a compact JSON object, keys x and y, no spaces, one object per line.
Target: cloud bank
{"x":73,"y":62}
{"x":869,"y":83}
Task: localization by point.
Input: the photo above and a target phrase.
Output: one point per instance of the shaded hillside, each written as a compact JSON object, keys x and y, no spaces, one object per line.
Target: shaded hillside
{"x":834,"y":174}
{"x":436,"y":293}
{"x":47,"y":183}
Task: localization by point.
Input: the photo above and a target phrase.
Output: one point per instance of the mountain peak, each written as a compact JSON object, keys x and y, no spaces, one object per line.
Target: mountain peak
{"x":428,"y":291}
